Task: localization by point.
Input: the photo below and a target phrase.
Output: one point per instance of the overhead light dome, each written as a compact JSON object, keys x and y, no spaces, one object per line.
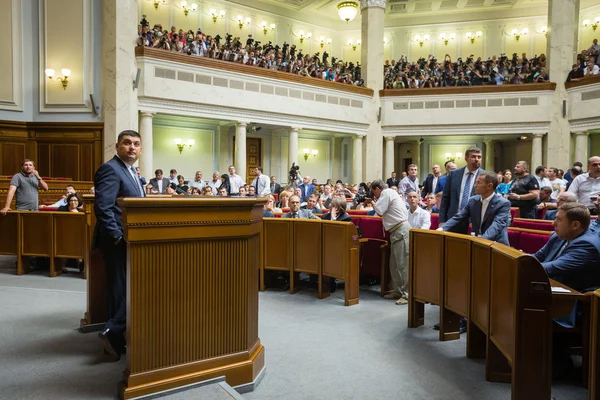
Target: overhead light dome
{"x":347,"y":10}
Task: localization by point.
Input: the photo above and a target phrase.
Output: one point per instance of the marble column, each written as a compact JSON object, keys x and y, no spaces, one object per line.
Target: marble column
{"x":119,"y":104}
{"x":293,"y":146}
{"x":275,"y":168}
{"x":563,"y":21}
{"x":240,"y":149}
{"x":146,"y":161}
{"x":336,"y":159}
{"x":372,"y":23}
{"x":489,"y":155}
{"x":357,"y":158}
{"x":389,"y":156}
{"x":536,"y":152}
{"x":581,"y":147}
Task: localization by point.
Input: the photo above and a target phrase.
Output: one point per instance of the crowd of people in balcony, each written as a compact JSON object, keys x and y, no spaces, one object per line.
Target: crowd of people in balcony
{"x":286,"y":58}
{"x":588,"y":63}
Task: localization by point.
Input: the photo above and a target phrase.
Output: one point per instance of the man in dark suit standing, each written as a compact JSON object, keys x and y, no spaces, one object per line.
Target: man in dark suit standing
{"x":431,"y":180}
{"x":159,"y":184}
{"x":116,"y":178}
{"x":393,"y":181}
{"x":488,"y":213}
{"x":275,"y":187}
{"x":460,"y":186}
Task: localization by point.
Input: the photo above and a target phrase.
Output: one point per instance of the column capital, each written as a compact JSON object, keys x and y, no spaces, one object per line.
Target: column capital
{"x":294,"y":128}
{"x":539,"y":134}
{"x":241,"y":123}
{"x":390,"y":137}
{"x":147,"y":114}
{"x":581,"y":133}
{"x":372,"y":3}
{"x":360,"y":135}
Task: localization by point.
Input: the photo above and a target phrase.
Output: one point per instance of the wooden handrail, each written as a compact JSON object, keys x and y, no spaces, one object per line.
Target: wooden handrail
{"x":586,"y":80}
{"x":149,"y":52}
{"x":484,"y":89}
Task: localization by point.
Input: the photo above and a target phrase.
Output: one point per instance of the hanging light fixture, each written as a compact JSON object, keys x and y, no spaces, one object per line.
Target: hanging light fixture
{"x":347,"y":10}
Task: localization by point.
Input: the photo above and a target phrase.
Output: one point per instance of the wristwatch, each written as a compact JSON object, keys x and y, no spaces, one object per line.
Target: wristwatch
{"x":518,"y":197}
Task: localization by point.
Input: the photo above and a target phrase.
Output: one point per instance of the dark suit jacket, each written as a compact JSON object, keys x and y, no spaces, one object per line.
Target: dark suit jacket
{"x":165,"y":184}
{"x":112,"y":181}
{"x":495,"y":220}
{"x":451,"y":196}
{"x":550,"y":215}
{"x":428,"y":185}
{"x":342,"y":218}
{"x":311,"y":189}
{"x":392,"y":182}
{"x":277,"y":188}
{"x":577,"y":266}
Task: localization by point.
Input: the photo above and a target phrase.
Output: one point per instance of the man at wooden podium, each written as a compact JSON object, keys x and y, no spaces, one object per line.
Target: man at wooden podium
{"x":115,"y":178}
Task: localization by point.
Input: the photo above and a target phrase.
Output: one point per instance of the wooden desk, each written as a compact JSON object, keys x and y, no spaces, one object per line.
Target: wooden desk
{"x":594,"y":369}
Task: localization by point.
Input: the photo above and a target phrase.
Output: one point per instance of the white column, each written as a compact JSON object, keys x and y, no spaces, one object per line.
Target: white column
{"x":489,"y":155}
{"x":581,"y":147}
{"x":293,"y":147}
{"x":119,"y":23}
{"x":563,"y":21}
{"x":372,"y":23}
{"x":145,"y":161}
{"x":240,"y":149}
{"x":336,"y":159}
{"x":536,"y":151}
{"x":357,"y":154}
{"x":389,"y":156}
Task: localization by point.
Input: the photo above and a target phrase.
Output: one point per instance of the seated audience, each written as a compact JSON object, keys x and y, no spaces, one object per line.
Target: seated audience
{"x":284,"y":198}
{"x":194,"y":191}
{"x":243,"y":191}
{"x":545,"y":201}
{"x":325,"y":197}
{"x":270,"y":204}
{"x":251,"y":191}
{"x":74,"y":203}
{"x":183,"y":188}
{"x":431,"y":203}
{"x":572,"y":254}
{"x":575,"y":74}
{"x":173,"y":176}
{"x":417,"y":217}
{"x":312,"y":204}
{"x":215,"y":184}
{"x":296,"y":212}
{"x":367,"y":205}
{"x":158,"y":184}
{"x":564,"y":197}
{"x":63,"y":201}
{"x":225,"y":184}
{"x":207,"y":191}
{"x":197,"y":182}
{"x":223,"y":192}
{"x":588,"y":184}
{"x":337,"y":211}
{"x":487,"y":211}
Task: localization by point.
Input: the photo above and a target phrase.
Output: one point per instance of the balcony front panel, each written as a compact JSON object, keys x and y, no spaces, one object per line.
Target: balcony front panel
{"x":584,"y":101}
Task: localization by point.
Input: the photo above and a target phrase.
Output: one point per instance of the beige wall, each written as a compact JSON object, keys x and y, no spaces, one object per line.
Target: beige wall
{"x":6,"y":49}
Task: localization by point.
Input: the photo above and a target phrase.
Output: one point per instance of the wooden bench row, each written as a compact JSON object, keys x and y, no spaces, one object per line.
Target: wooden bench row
{"x":49,"y":234}
{"x":324,"y":248}
{"x":507,"y":299}
{"x":56,"y":189}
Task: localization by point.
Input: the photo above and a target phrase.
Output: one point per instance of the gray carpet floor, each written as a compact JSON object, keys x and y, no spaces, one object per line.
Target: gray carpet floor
{"x":315,"y":349}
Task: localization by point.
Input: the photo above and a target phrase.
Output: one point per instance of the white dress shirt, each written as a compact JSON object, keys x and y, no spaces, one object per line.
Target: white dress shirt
{"x":407,"y":185}
{"x":264,"y":185}
{"x":159,"y":183}
{"x":433,"y":184}
{"x":235,"y":183}
{"x":173,"y":180}
{"x":484,"y":205}
{"x":543,"y":182}
{"x":463,"y":183}
{"x":419,"y":218}
{"x":197,"y":184}
{"x":584,"y":186}
{"x":392,"y":209}
{"x":214,"y":186}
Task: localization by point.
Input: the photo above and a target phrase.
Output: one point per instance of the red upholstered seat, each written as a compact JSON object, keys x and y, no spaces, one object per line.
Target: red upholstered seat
{"x":357,"y":212}
{"x":49,"y":209}
{"x":285,"y":210}
{"x":541,"y":213}
{"x":531,"y":242}
{"x":514,"y":212}
{"x":533,"y":224}
{"x":276,"y":197}
{"x":356,"y":221}
{"x":435,"y":220}
{"x":372,"y":228}
{"x":514,"y":238}
{"x":277,"y":215}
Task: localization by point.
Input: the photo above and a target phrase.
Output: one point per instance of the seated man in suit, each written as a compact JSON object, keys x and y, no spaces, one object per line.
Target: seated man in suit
{"x":337,"y":211}
{"x":488,"y":212}
{"x":572,"y":254}
{"x":296,"y":212}
{"x":312,"y":204}
{"x":159,"y":184}
{"x":564,"y":197}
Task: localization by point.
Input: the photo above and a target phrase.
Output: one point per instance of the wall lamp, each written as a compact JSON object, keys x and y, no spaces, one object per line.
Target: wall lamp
{"x":158,"y":2}
{"x":446,"y":39}
{"x":587,"y":22}
{"x":472,"y":37}
{"x":308,"y":152}
{"x":303,"y":36}
{"x":449,"y":156}
{"x":240,"y":20}
{"x":187,"y":9}
{"x":421,"y":40}
{"x":324,"y":41}
{"x":214,"y":14}
{"x":265,"y":28}
{"x":357,"y":43}
{"x":544,"y":30}
{"x":63,"y":79}
{"x":517,"y":34}
{"x":181,"y":145}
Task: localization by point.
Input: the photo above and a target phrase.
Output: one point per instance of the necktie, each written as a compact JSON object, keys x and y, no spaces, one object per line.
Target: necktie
{"x":136,"y":179}
{"x":256,"y":188}
{"x":294,"y":215}
{"x":466,"y":191}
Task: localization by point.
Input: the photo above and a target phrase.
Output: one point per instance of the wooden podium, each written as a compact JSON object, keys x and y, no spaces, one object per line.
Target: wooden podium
{"x":192,"y":299}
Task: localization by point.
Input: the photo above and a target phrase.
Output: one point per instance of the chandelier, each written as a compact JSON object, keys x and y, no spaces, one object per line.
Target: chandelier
{"x":347,"y":10}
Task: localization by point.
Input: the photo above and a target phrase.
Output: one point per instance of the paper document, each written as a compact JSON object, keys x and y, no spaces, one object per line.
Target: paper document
{"x":558,"y":289}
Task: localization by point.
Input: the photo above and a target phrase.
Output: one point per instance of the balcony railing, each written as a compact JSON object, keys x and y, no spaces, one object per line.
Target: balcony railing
{"x":449,"y":91}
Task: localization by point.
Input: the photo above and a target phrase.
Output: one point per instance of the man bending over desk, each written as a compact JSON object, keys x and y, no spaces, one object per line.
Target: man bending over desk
{"x":572,"y":254}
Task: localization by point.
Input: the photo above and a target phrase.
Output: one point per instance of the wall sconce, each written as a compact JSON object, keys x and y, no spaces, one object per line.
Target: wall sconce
{"x":63,"y":79}
{"x":587,"y":22}
{"x":544,"y":30}
{"x":446,"y":39}
{"x":214,"y":14}
{"x":472,"y":37}
{"x":357,"y":43}
{"x":450,"y":158}
{"x":158,"y":2}
{"x":517,"y":34}
{"x":187,"y":9}
{"x":308,"y":152}
{"x":421,"y":40}
{"x":302,"y":36}
{"x":181,"y":145}
{"x":323,"y":42}
{"x":265,"y":28}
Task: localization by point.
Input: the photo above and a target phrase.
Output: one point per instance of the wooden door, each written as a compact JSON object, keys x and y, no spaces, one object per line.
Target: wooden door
{"x":253,"y":157}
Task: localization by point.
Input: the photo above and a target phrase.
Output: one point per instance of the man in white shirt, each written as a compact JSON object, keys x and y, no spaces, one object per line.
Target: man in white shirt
{"x":417,"y":217}
{"x":540,"y":174}
{"x":261,"y":183}
{"x":235,"y":182}
{"x":392,"y":209}
{"x":558,"y":185}
{"x":197,"y":182}
{"x":173,"y":177}
{"x":215,"y":184}
{"x":586,"y":185}
{"x":410,"y":183}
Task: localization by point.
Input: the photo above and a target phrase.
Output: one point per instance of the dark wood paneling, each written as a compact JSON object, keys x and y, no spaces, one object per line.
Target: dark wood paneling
{"x":13,"y":155}
{"x":65,"y":161}
{"x":86,"y":170}
{"x":43,"y":161}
